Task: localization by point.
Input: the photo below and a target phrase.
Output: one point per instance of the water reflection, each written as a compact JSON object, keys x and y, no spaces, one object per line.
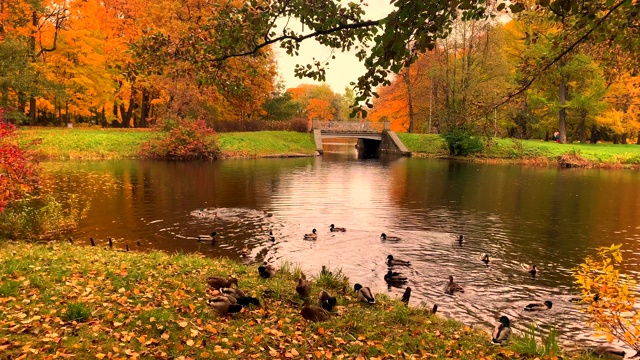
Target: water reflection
{"x":550,"y":217}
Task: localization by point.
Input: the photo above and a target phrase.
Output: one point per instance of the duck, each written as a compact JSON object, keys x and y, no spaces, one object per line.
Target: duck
{"x":211,"y":238}
{"x":539,"y":306}
{"x":314,"y":313}
{"x":406,"y":296}
{"x":391,"y":261}
{"x":502,"y":331}
{"x":266,"y":270}
{"x":239,"y":296}
{"x":271,"y":237}
{"x":394,"y":277}
{"x":332,"y":228}
{"x":245,"y":252}
{"x":452,"y":287}
{"x":531,"y":269}
{"x":595,"y":298}
{"x":433,"y":310}
{"x":224,"y":305}
{"x":384,"y":236}
{"x":364,"y":294}
{"x":303,"y":288}
{"x":326,"y":301}
{"x":311,"y":236}
{"x":485,"y":258}
{"x":459,"y":239}
{"x":219,"y":282}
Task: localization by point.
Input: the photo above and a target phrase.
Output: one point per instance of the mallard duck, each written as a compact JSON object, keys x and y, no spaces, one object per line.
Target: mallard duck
{"x":384,"y":236}
{"x":364,"y":294}
{"x":608,"y":352}
{"x":406,"y":296}
{"x":219,"y":282}
{"x":239,"y":296}
{"x":245,"y":252}
{"x":485,"y":258}
{"x":303,"y":288}
{"x":332,"y":228}
{"x":266,"y":270}
{"x":502,"y":331}
{"x":271,"y":237}
{"x":531,"y":269}
{"x":595,"y":298}
{"x":452,"y":287}
{"x":391,"y":261}
{"x":314,"y":313}
{"x":224,"y":305}
{"x":326,"y":301}
{"x":211,"y":238}
{"x":459,"y":239}
{"x":539,"y":306}
{"x":394,"y":277}
{"x":311,"y":236}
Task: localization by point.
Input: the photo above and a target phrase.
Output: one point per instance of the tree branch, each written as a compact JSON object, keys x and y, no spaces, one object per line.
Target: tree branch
{"x":529,"y":82}
{"x":298,"y":39}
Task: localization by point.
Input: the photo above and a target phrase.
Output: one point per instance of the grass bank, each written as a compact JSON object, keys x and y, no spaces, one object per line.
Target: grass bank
{"x":533,"y":151}
{"x":100,"y":144}
{"x":61,"y":299}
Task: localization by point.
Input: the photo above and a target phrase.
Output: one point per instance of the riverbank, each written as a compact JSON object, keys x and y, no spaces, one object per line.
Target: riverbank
{"x":107,"y":144}
{"x":533,"y":152}
{"x":62,"y":299}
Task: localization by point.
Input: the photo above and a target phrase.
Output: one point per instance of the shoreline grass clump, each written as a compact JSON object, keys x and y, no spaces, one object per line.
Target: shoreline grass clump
{"x":62,"y":300}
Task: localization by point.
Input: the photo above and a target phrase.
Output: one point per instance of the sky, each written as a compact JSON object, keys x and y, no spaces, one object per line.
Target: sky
{"x":342,"y":70}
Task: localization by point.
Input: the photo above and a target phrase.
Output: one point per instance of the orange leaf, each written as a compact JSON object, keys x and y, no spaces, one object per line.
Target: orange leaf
{"x":257,"y":339}
{"x":204,"y":355}
{"x":321,"y":331}
{"x":183,"y":323}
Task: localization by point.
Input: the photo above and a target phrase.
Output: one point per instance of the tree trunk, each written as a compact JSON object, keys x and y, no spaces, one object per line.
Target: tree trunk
{"x":638,"y":141}
{"x":144,"y":111}
{"x":128,"y":114}
{"x":624,"y":138}
{"x":407,"y":80}
{"x":32,"y":99}
{"x":595,"y":135}
{"x":562,"y":121}
{"x":616,"y":139}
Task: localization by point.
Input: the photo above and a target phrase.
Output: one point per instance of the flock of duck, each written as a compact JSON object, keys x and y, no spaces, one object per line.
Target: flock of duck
{"x":232,"y":300}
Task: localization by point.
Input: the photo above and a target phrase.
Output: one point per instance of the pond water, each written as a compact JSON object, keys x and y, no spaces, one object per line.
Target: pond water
{"x":517,"y":214}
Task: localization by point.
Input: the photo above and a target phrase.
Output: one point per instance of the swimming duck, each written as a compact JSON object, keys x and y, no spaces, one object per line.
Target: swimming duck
{"x":460,"y":239}
{"x":211,"y":238}
{"x":332,"y":228}
{"x":539,"y":306}
{"x":452,"y":287}
{"x":271,"y":237}
{"x":245,"y":252}
{"x":394,"y":277}
{"x":266,"y":270}
{"x":326,"y":301}
{"x":364,"y":294}
{"x":219,"y":282}
{"x":384,"y":236}
{"x":311,"y":236}
{"x":531,"y":269}
{"x":485,"y":258}
{"x":502,"y":331}
{"x":391,"y":261}
{"x":224,"y":305}
{"x":314,"y":313}
{"x":406,"y":296}
{"x":595,"y":298}
{"x":239,"y":296}
{"x":303,"y":288}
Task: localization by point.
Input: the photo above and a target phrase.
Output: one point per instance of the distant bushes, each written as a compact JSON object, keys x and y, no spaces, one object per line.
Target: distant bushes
{"x":182,"y":139}
{"x":462,"y":142}
{"x":296,"y":124}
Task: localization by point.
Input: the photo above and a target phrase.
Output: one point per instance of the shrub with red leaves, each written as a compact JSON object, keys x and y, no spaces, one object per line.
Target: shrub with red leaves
{"x":18,"y":173}
{"x":182,"y":139}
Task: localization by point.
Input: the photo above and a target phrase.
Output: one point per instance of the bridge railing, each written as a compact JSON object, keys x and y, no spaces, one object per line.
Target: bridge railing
{"x":351,"y":126}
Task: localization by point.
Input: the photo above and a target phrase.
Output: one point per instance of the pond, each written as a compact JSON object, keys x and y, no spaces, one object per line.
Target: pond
{"x":516,"y":214}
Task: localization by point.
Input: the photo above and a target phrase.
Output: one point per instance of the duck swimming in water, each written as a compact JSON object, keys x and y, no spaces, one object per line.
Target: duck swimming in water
{"x":332,"y":228}
{"x":485,"y":258}
{"x":392,"y":261}
{"x":384,"y":236}
{"x":311,"y":236}
{"x":392,"y":277}
{"x":539,"y":306}
{"x":207,"y":238}
{"x":502,"y":331}
{"x":531,"y":269}
{"x":452,"y":287}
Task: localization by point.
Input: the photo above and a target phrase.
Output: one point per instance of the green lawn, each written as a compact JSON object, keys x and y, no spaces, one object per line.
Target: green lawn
{"x":67,"y":300}
{"x":265,"y":143}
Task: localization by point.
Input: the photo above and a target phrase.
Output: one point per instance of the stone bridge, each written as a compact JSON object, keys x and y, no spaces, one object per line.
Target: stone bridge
{"x":373,"y":137}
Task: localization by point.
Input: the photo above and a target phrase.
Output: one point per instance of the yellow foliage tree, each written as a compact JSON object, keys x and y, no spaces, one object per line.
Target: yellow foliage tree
{"x":610,"y":296}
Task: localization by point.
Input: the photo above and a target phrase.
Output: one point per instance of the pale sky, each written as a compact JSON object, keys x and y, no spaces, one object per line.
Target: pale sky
{"x":345,"y":68}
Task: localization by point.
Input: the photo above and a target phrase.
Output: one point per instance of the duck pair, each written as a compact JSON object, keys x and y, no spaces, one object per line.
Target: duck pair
{"x":322,"y":311}
{"x":231,"y":301}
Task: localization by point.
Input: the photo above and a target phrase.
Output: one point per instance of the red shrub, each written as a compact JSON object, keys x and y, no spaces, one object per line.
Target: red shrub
{"x":182,"y":139}
{"x":17,"y":168}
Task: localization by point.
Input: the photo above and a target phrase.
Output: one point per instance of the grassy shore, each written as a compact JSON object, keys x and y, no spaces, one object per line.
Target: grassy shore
{"x":100,"y":144}
{"x":61,"y":299}
{"x":532,"y":151}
